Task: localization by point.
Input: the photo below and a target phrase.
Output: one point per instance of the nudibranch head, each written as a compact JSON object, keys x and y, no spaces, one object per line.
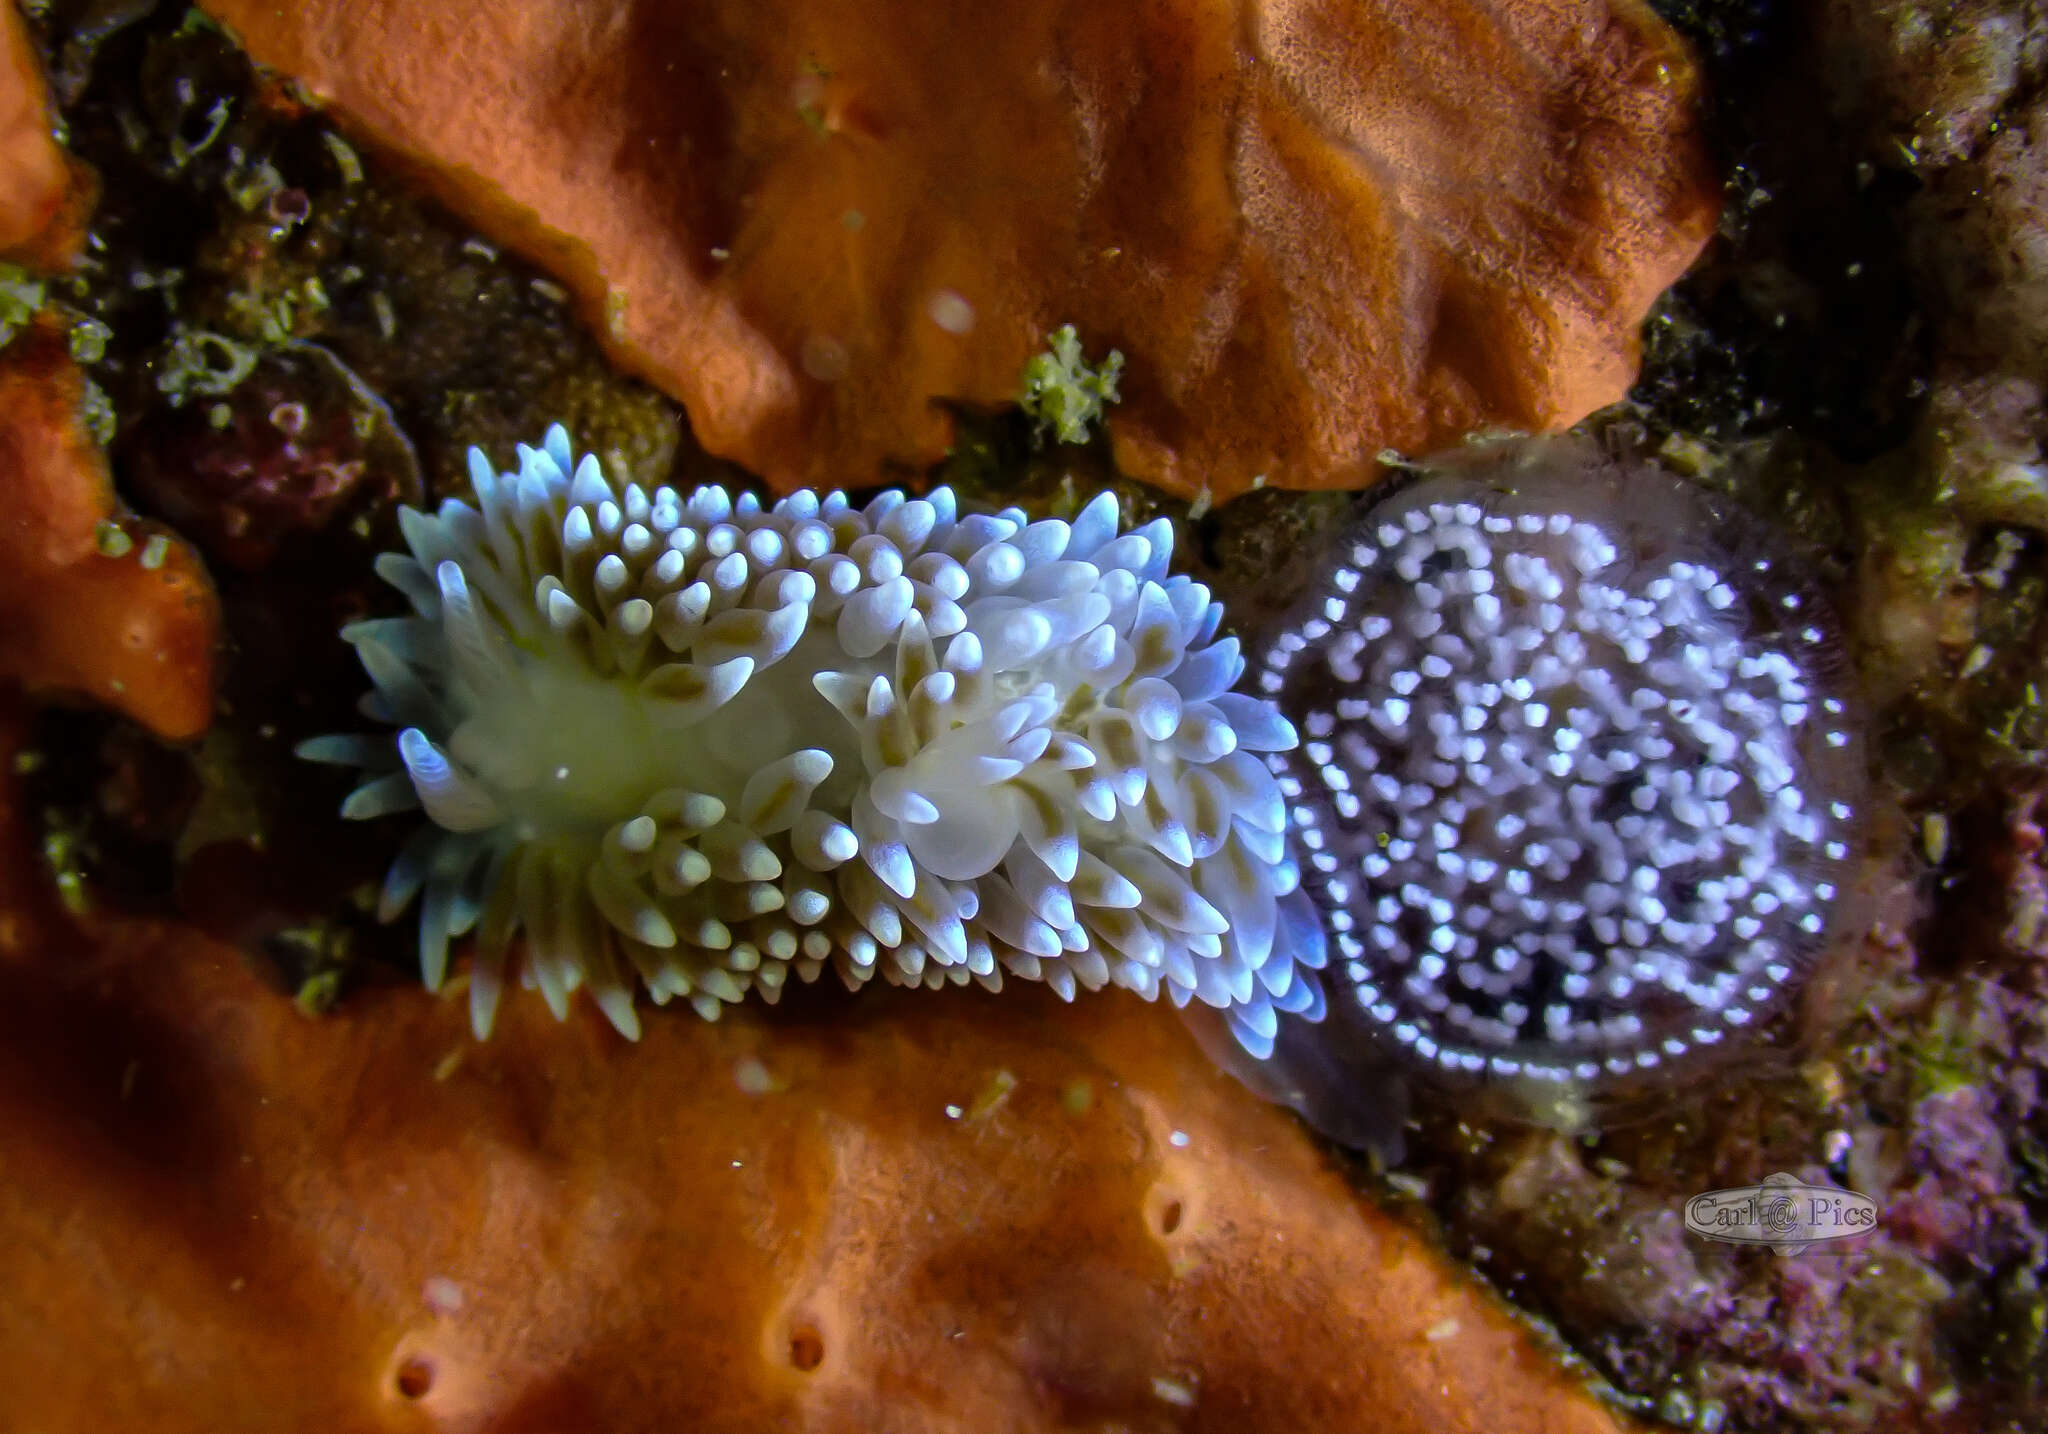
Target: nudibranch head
{"x":703,"y":744}
{"x":1578,"y":776}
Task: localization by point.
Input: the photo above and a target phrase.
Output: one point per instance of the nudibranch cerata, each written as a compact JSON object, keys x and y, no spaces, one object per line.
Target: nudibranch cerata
{"x":700,"y":744}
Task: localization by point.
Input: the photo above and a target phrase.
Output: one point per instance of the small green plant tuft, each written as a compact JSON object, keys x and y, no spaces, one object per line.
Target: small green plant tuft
{"x":1063,"y":393}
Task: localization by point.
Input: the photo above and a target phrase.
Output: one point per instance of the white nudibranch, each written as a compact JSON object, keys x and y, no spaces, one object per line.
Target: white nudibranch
{"x":705,"y":745}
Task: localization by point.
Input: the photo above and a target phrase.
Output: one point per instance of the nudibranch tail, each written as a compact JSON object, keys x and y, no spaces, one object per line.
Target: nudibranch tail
{"x":701,"y":745}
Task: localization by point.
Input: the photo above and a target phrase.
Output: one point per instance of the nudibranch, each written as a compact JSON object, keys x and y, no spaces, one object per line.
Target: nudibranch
{"x":1579,"y":774}
{"x":701,"y":745}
